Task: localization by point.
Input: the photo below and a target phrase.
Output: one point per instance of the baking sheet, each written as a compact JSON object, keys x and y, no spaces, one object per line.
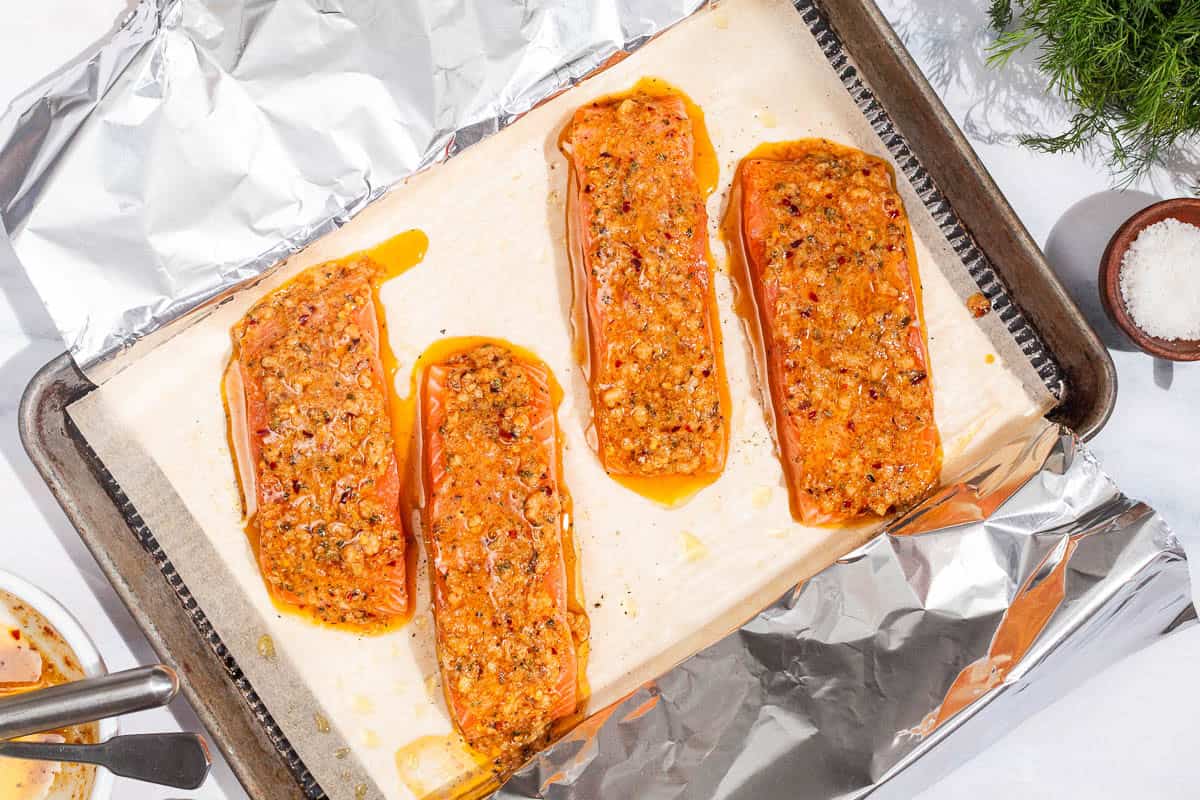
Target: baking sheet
{"x":496,"y":267}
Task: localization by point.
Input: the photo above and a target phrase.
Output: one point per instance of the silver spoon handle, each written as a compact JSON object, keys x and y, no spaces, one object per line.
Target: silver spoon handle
{"x":179,"y":760}
{"x":87,"y":700}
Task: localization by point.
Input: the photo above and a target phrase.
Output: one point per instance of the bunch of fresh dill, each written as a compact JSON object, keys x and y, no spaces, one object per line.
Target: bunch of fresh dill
{"x":1131,"y":67}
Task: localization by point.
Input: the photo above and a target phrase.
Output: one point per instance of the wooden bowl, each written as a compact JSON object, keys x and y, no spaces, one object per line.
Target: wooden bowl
{"x":1184,"y":209}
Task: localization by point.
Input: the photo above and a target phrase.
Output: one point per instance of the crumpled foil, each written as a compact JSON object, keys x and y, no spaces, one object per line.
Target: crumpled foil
{"x":965,"y":616}
{"x":191,"y":152}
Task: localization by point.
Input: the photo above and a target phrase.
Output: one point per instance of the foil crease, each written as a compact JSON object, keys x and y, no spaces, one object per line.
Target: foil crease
{"x":192,"y":152}
{"x":982,"y":605}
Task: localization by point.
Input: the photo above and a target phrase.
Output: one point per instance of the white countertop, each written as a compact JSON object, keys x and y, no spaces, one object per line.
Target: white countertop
{"x":1124,"y":733}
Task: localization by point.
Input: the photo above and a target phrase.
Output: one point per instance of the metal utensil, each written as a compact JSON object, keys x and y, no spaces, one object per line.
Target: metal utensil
{"x":180,"y":760}
{"x":87,"y":700}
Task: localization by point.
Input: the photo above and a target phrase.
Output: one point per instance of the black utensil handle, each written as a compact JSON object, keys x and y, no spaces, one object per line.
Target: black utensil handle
{"x":178,"y":760}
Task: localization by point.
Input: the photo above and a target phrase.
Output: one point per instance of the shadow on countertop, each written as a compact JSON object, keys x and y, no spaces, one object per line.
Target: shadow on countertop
{"x":1074,"y":248}
{"x":950,"y":39}
{"x":1076,"y":244}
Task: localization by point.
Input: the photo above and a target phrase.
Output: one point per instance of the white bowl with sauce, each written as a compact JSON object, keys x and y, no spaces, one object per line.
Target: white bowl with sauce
{"x":71,"y":640}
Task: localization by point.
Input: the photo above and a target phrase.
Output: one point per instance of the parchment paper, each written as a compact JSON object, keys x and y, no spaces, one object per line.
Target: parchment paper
{"x":659,"y":583}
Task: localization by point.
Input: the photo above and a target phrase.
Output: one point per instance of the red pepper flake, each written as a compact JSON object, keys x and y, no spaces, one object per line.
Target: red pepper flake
{"x":813,"y":296}
{"x":866,"y":172}
{"x":850,"y":425}
{"x":829,"y":196}
{"x":16,"y":634}
{"x":841,"y":259}
{"x":625,"y":206}
{"x":893,"y":213}
{"x":812,"y":414}
{"x":668,"y":236}
{"x":303,"y":320}
{"x":877,"y":465}
{"x":588,"y":189}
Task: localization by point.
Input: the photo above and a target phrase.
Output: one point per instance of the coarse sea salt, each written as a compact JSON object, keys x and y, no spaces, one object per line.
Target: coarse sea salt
{"x":1160,"y":280}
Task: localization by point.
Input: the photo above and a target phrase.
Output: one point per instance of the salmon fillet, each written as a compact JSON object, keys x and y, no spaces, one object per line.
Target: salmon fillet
{"x":306,"y":396}
{"x":639,"y":242}
{"x":493,"y":524}
{"x":823,"y":241}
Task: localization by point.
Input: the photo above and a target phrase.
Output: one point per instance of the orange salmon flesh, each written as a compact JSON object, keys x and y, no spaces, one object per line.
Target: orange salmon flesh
{"x":823,"y":253}
{"x":638,"y":234}
{"x":493,"y":525}
{"x":307,"y":405}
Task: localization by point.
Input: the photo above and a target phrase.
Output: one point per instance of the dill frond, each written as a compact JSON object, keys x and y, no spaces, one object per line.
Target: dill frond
{"x":1131,"y":67}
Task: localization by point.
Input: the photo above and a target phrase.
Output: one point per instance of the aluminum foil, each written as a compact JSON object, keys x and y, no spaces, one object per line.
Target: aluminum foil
{"x":965,"y":616}
{"x":191,"y":152}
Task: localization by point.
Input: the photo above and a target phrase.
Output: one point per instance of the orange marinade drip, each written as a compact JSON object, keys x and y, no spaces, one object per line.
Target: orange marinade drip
{"x":639,"y":243}
{"x":308,"y":405}
{"x":822,"y":244}
{"x":495,"y":532}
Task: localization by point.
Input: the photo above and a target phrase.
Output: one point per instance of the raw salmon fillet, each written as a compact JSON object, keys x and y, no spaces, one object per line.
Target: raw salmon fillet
{"x":307,"y":401}
{"x":493,"y":522}
{"x":639,"y":244}
{"x":822,"y":237}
